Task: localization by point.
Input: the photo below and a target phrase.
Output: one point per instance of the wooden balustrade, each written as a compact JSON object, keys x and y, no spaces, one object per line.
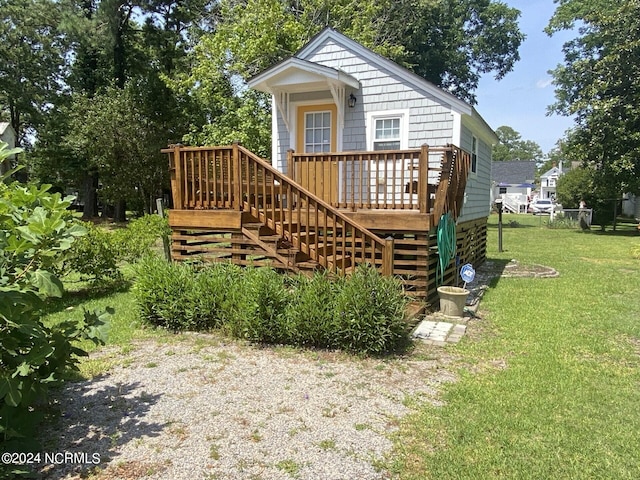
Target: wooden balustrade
{"x":234,"y":178}
{"x":388,"y":180}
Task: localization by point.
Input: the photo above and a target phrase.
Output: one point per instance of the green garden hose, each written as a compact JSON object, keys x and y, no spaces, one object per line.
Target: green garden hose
{"x":446,"y":245}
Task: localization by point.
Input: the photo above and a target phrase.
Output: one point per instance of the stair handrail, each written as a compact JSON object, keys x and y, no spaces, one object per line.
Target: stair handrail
{"x":385,"y":245}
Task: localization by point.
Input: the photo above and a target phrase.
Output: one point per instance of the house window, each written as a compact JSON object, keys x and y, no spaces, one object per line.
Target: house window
{"x":503,"y":190}
{"x":474,"y":154}
{"x":317,"y":132}
{"x":387,"y":134}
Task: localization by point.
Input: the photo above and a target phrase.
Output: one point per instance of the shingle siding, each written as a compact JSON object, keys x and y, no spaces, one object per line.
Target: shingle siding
{"x":430,"y":121}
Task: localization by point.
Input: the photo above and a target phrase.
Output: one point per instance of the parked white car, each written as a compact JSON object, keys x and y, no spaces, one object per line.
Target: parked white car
{"x":541,"y":205}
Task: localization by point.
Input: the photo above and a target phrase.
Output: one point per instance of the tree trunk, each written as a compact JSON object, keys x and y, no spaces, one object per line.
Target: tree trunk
{"x":90,"y":195}
{"x":120,"y":212}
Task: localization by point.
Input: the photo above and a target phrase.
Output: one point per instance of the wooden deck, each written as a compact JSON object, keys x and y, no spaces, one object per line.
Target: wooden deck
{"x":332,"y":211}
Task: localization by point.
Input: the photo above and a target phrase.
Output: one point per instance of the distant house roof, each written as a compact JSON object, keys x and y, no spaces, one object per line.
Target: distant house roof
{"x":553,"y":172}
{"x":513,"y":173}
{"x":4,"y":126}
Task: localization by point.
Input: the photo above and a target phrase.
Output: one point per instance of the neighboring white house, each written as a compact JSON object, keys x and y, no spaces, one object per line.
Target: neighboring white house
{"x":7,"y":135}
{"x":336,"y":95}
{"x":549,"y":181}
{"x":514,"y":183}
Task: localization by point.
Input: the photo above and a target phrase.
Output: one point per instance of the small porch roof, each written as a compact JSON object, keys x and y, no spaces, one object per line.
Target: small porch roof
{"x":295,"y":75}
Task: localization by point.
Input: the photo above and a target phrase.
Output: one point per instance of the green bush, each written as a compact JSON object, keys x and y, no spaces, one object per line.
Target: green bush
{"x":36,"y":232}
{"x":312,"y":313}
{"x":257,"y":305}
{"x":370,"y":313}
{"x":95,"y":256}
{"x":140,"y":237}
{"x":183,"y":296}
{"x":364,"y":313}
{"x":99,"y":254}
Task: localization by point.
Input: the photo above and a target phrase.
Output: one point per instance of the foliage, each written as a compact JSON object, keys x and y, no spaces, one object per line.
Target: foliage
{"x":257,"y":307}
{"x":370,"y":312}
{"x":37,"y":231}
{"x":575,"y":185}
{"x":364,"y":313}
{"x":140,"y":236}
{"x":32,"y":52}
{"x":95,"y":256}
{"x":512,"y":147}
{"x":562,"y":221}
{"x":312,"y":314}
{"x":99,"y":254}
{"x":599,"y":83}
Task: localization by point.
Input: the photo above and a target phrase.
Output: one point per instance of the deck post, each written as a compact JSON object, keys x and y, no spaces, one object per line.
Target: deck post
{"x":290,"y":165}
{"x":423,"y":179}
{"x":387,"y":257}
{"x":176,"y":177}
{"x":237,"y":178}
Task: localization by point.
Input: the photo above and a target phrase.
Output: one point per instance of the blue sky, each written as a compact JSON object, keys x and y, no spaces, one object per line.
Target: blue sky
{"x":520,"y":100}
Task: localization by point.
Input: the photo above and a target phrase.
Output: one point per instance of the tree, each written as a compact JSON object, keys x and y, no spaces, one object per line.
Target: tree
{"x":512,"y":147}
{"x":32,"y":66}
{"x":448,"y":42}
{"x":599,"y":83}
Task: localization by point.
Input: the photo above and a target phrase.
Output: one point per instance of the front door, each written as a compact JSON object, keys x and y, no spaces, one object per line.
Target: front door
{"x":317,"y":134}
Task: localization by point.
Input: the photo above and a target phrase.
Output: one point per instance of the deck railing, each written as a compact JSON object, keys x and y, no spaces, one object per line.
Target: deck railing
{"x":389,"y":180}
{"x":235,"y":178}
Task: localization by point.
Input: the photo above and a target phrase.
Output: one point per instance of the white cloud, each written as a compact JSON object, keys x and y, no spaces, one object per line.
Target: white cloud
{"x":544,"y":82}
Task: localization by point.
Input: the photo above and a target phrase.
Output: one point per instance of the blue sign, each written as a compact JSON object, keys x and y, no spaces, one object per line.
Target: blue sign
{"x":467,"y":273}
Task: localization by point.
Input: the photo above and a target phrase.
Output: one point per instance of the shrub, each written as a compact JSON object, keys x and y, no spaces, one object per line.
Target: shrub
{"x":36,"y":230}
{"x":257,"y":307}
{"x":370,"y":313}
{"x":140,"y":237}
{"x":364,"y":313}
{"x":184,"y":296}
{"x":311,"y":315}
{"x":95,"y":256}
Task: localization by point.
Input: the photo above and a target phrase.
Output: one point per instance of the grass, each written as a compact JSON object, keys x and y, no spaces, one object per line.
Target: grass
{"x":549,"y":387}
{"x":548,"y":379}
{"x":125,"y":324}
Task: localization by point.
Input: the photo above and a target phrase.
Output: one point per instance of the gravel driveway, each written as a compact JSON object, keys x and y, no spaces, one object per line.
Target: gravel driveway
{"x":197,"y":408}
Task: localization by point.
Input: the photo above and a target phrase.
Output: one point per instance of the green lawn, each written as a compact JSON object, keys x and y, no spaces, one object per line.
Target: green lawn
{"x":549,"y":386}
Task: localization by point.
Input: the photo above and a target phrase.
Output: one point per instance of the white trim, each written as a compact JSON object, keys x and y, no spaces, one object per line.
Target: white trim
{"x":370,"y":127}
{"x":275,"y":138}
{"x":456,"y":133}
{"x":273,"y":77}
{"x":472,"y":172}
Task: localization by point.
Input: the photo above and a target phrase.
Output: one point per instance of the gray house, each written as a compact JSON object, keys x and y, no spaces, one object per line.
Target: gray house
{"x":369,"y":161}
{"x":514,"y":183}
{"x":335,"y":95}
{"x":7,"y":135}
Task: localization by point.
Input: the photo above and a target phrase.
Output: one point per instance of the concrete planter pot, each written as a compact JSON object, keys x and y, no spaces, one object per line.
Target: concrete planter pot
{"x":452,"y":300}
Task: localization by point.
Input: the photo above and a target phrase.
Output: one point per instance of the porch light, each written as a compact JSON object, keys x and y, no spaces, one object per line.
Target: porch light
{"x":352,"y":100}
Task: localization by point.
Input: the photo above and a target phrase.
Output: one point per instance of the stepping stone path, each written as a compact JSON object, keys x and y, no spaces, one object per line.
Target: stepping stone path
{"x":439,"y":333}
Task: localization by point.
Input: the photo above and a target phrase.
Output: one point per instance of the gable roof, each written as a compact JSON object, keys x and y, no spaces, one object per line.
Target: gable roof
{"x":415,"y":80}
{"x":307,"y":75}
{"x":515,"y":172}
{"x":552,"y":172}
